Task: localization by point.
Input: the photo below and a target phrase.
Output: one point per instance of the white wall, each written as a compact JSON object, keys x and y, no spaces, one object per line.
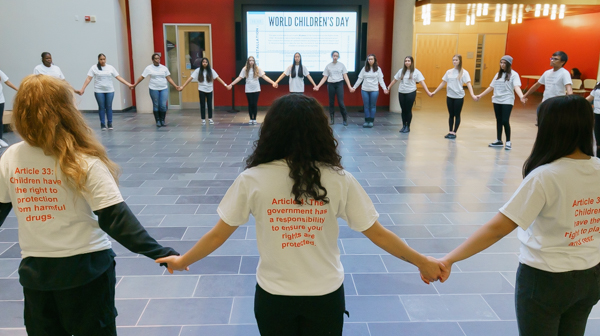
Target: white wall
{"x":30,"y":27}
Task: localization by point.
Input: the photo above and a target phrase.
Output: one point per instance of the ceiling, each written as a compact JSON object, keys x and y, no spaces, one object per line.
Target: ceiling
{"x":438,"y":12}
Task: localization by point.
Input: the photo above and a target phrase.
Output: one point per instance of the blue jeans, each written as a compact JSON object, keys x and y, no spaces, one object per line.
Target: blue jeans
{"x":159,"y":100}
{"x":105,"y":105}
{"x":370,"y":102}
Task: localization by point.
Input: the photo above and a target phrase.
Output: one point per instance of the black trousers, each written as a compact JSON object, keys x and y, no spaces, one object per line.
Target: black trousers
{"x":337,"y":89}
{"x":279,"y":315}
{"x":596,"y":132}
{"x":407,"y":100}
{"x":205,"y":99}
{"x":555,"y":304}
{"x":252,"y":104}
{"x":87,"y":310}
{"x":454,"y":109}
{"x":502,"y":112}
{"x":1,"y":114}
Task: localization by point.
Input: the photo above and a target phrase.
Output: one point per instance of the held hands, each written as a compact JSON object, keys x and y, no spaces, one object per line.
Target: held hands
{"x":229,"y":87}
{"x":386,"y":91}
{"x":352,"y":90}
{"x":275,"y":85}
{"x":476,"y":98}
{"x":524,"y":100}
{"x":80,"y":92}
{"x":433,"y":270}
{"x":431,"y":94}
{"x":132,"y":86}
{"x":316,"y":88}
{"x":174,"y":263}
{"x":180,"y":88}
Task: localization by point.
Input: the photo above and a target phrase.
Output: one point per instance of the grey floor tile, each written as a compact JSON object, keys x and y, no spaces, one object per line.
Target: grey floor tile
{"x":8,"y":267}
{"x":12,"y":314}
{"x":425,"y":308}
{"x":203,"y":199}
{"x":13,"y":332}
{"x":361,"y":246}
{"x":452,"y":231}
{"x":375,"y":309}
{"x":419,"y":189}
{"x":11,"y":250}
{"x":195,"y":233}
{"x":416,"y":329}
{"x":143,"y":287}
{"x":140,"y":199}
{"x":138,"y":266}
{"x":167,"y":233}
{"x":243,"y":311}
{"x":410,"y":231}
{"x":393,"y":208}
{"x":391,"y":284}
{"x":505,"y":262}
{"x":187,"y":311}
{"x":9,"y":235}
{"x":362,"y":263}
{"x":434,"y":245}
{"x":420,"y":218}
{"x":11,"y":289}
{"x":221,"y":330}
{"x":470,"y":218}
{"x":211,"y":183}
{"x":190,"y":220}
{"x":225,"y":285}
{"x":129,"y":311}
{"x":355,"y":329}
{"x":149,"y":331}
{"x":436,"y":207}
{"x":490,"y":328}
{"x":183,"y":191}
{"x":238,"y":247}
{"x":178,"y":209}
{"x":403,"y":198}
{"x":503,"y":305}
{"x":474,"y":283}
{"x":249,"y":264}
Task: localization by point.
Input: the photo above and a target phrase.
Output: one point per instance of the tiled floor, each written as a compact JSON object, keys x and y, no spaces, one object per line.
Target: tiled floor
{"x":429,"y":190}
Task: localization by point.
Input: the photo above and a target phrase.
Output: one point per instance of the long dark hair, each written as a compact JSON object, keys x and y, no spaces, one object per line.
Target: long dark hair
{"x":460,"y":66}
{"x":375,"y":65}
{"x":597,"y":87}
{"x":566,"y":123}
{"x":209,"y":77}
{"x":98,"y":65}
{"x":405,"y":69}
{"x":300,"y":72}
{"x":508,"y":72}
{"x":296,"y":129}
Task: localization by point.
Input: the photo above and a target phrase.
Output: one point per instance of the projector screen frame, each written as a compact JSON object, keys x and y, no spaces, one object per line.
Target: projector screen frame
{"x":360,"y":7}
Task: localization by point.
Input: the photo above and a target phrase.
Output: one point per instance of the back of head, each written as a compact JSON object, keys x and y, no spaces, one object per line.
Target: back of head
{"x":565,"y":124}
{"x":45,"y":116}
{"x":296,"y":129}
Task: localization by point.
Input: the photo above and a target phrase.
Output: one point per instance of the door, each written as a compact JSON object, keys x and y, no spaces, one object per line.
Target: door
{"x":194,"y":44}
{"x":494,"y":46}
{"x":434,"y":55}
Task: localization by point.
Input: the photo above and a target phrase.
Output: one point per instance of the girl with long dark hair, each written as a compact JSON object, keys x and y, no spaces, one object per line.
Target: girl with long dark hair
{"x":252,"y":73}
{"x":594,"y":98}
{"x":296,"y":188}
{"x":556,"y":212}
{"x":160,"y":78}
{"x":104,"y":91}
{"x":408,"y":77}
{"x":371,"y":77}
{"x":505,"y":84}
{"x":205,"y":75}
{"x":4,"y":79}
{"x":63,"y":189}
{"x":455,"y":78}
{"x":336,"y":74}
{"x":297,"y":73}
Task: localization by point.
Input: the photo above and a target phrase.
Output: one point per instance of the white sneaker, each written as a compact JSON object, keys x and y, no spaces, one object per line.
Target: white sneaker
{"x":210,"y":121}
{"x":203,"y":122}
{"x":3,"y":143}
{"x":251,"y":122}
{"x":255,"y":122}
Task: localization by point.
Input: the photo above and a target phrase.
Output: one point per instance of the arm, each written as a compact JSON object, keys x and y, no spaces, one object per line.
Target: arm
{"x":532,"y":89}
{"x":269,"y":80}
{"x":10,"y":85}
{"x":484,"y":237}
{"x":120,"y":79}
{"x":235,"y":81}
{"x":85,"y":84}
{"x":486,"y":91}
{"x":320,"y":83}
{"x":590,"y":98}
{"x":392,"y":244}
{"x":4,"y":211}
{"x":347,"y":81}
{"x":138,"y":81}
{"x":359,"y":80}
{"x":394,"y":81}
{"x":518,"y":91}
{"x":311,"y":80}
{"x":569,"y":88}
{"x":122,"y":225}
{"x":470,"y":87}
{"x":221,"y":81}
{"x":424,"y":87}
{"x":441,"y":86}
{"x":205,"y":246}
{"x":382,"y":83}
{"x":170,"y":80}
{"x":280,"y":77}
{"x":186,"y":83}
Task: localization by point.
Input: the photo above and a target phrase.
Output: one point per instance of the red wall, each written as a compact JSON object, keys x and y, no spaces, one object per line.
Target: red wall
{"x":219,"y":13}
{"x":532,"y":43}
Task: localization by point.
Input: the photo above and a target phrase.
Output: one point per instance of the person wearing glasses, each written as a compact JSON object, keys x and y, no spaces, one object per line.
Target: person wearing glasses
{"x":557,"y":81}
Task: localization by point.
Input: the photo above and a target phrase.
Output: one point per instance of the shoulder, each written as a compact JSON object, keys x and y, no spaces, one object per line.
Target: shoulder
{"x":94,"y":68}
{"x":12,"y":150}
{"x":416,"y":71}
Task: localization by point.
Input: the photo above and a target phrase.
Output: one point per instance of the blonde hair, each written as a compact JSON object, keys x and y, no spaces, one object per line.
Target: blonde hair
{"x":45,"y":116}
{"x":460,"y":67}
{"x":254,"y":67}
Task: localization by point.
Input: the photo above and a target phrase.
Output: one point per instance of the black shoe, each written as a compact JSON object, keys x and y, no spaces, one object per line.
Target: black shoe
{"x":331,"y":119}
{"x":407,"y":129}
{"x":447,"y":136}
{"x":403,"y":129}
{"x":110,"y":126}
{"x":158,"y":124}
{"x":345,"y":122}
{"x":496,"y":143}
{"x":451,"y":136}
{"x":162,"y":123}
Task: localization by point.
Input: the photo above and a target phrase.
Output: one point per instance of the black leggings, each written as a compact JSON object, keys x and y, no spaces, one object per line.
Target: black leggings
{"x":1,"y":114}
{"x":252,"y":104}
{"x":502,"y":117}
{"x":406,"y":104}
{"x":205,"y":97}
{"x":596,"y":133}
{"x":454,"y":109}
{"x":282,"y":315}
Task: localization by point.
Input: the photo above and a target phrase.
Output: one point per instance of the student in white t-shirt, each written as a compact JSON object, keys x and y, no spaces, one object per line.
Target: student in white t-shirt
{"x":336,"y":74}
{"x":505,"y":84}
{"x":104,"y":91}
{"x":4,"y":79}
{"x":49,"y":69}
{"x":160,"y":78}
{"x":371,"y":78}
{"x":252,"y":73}
{"x":556,"y":211}
{"x":455,"y":78}
{"x":408,"y":77}
{"x":296,"y":196}
{"x":594,"y":98}
{"x":63,"y":190}
{"x":205,"y":75}
{"x":297,"y":73}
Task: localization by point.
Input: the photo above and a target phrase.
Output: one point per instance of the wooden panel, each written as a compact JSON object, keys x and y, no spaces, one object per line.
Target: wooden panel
{"x":494,"y":46}
{"x":446,"y":48}
{"x":467,"y":43}
{"x":190,"y":93}
{"x":425,"y":58}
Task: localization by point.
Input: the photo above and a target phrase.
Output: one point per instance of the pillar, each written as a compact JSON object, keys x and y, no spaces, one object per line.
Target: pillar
{"x":142,"y":41}
{"x":402,"y":42}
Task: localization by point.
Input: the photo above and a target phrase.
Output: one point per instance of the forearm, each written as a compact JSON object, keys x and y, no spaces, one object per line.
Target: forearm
{"x":122,"y":80}
{"x":392,"y":84}
{"x":382,"y":83}
{"x":221,"y":81}
{"x":4,"y":211}
{"x":10,"y":85}
{"x":311,"y":80}
{"x":358,"y":82}
{"x":170,"y":80}
{"x":139,"y":80}
{"x":494,"y":230}
{"x":269,"y":80}
{"x":532,"y":89}
{"x":211,"y":241}
{"x":470,"y":87}
{"x":519,"y":91}
{"x":569,"y":88}
{"x":235,"y":81}
{"x":439,"y":87}
{"x":486,"y":91}
{"x":322,"y":81}
{"x":392,"y":244}
{"x":347,"y":81}
{"x":280,"y":78}
{"x":424,"y":87}
{"x":187,"y":82}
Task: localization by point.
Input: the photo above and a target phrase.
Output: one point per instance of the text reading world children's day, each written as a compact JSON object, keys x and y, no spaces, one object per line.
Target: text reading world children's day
{"x":298,"y":224}
{"x":37,"y":193}
{"x":587,"y":221}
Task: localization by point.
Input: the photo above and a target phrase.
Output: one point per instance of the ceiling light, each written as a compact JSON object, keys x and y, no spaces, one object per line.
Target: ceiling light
{"x":447,"y":12}
{"x":513,"y":18}
{"x":553,"y":13}
{"x":546,"y":9}
{"x":503,"y":12}
{"x":520,"y":17}
{"x":452,"y":12}
{"x":538,"y":9}
{"x":497,"y":18}
{"x":561,"y":13}
{"x":485,"y":9}
{"x":479,"y":8}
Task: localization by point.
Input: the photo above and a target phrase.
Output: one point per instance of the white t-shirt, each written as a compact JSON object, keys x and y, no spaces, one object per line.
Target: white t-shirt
{"x":3,"y":79}
{"x":297,"y":83}
{"x":103,"y":78}
{"x":53,"y":71}
{"x":205,"y":86}
{"x":335,"y":72}
{"x":454,"y":84}
{"x":557,"y":207}
{"x":297,"y":244}
{"x":158,"y":76}
{"x":55,"y":221}
{"x":504,"y":90}
{"x":252,"y":83}
{"x":407,"y":85}
{"x":596,"y":94}
{"x":370,"y":79}
{"x":554,"y":82}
